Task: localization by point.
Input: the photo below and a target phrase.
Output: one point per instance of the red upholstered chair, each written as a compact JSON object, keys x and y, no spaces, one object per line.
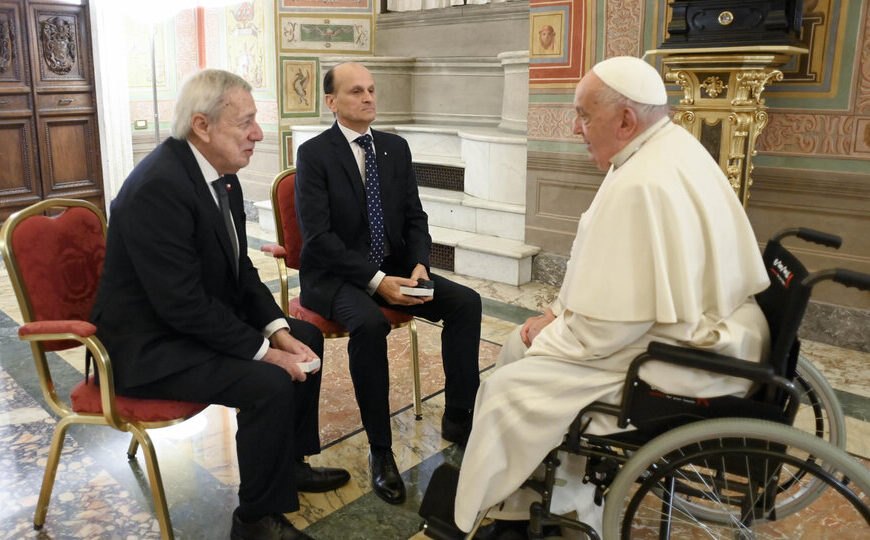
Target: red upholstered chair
{"x":54,"y":264}
{"x":286,"y":254}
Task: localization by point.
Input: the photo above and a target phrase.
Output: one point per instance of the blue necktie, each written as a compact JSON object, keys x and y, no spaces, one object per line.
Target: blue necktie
{"x":373,"y":201}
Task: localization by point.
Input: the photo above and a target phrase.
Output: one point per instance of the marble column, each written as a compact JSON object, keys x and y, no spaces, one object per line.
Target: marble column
{"x":515,"y":98}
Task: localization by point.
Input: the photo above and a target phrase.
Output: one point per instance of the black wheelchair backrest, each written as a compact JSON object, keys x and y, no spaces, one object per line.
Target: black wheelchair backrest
{"x":784,"y":303}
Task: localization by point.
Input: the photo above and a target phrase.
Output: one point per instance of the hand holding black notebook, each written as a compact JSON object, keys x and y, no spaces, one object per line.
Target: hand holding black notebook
{"x":425,"y":287}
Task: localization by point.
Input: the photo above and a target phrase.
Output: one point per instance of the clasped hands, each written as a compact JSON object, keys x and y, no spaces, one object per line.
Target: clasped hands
{"x":287,"y":352}
{"x":389,"y":289}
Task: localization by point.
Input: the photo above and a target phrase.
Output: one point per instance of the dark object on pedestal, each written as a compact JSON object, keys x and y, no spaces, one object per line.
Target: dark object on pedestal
{"x":723,"y":23}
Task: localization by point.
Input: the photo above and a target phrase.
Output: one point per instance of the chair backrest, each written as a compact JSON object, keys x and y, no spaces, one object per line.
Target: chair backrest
{"x":784,"y":304}
{"x":284,"y":210}
{"x":55,"y":262}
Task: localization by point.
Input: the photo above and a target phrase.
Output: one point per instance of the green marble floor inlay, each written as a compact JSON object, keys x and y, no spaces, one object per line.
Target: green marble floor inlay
{"x":373,"y":518}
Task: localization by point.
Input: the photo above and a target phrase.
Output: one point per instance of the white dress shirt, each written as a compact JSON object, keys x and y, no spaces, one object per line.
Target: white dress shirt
{"x":359,"y":154}
{"x":208,"y":171}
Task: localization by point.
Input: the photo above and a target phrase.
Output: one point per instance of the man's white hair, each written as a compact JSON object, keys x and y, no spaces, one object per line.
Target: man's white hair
{"x":203,"y":93}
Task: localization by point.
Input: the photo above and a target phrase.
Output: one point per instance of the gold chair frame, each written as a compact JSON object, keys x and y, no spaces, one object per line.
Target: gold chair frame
{"x":110,"y":415}
{"x":284,"y":278}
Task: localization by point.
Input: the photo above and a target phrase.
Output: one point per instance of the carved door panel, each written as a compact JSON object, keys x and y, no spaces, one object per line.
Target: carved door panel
{"x":14,"y":75}
{"x":60,"y":47}
{"x":69,"y":155}
{"x":19,"y":171}
{"x":49,"y":143}
{"x":19,"y":181}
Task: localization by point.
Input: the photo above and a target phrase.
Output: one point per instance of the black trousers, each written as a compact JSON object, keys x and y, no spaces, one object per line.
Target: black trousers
{"x":460,"y":309}
{"x":277,"y":419}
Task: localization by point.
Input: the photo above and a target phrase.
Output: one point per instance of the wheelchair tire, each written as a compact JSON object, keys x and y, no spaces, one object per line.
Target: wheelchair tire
{"x":821,"y":415}
{"x":819,"y":400}
{"x":693,"y":453}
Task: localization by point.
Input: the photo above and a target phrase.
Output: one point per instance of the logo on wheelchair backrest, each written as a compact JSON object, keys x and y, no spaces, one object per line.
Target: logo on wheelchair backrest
{"x":782,"y":273}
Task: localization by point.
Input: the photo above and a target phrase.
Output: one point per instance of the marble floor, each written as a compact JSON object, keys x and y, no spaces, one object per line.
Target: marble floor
{"x":99,"y":494}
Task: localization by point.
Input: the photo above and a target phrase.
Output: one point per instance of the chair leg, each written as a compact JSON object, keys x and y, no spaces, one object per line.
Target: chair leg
{"x":156,"y":481}
{"x":415,"y":363}
{"x":131,"y":450}
{"x":50,"y":472}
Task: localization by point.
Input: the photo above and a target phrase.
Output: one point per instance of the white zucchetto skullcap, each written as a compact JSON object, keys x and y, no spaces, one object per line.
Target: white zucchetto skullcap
{"x":633,"y":78}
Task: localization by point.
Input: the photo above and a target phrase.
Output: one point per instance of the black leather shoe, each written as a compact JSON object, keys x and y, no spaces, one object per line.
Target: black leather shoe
{"x":269,"y":527}
{"x":386,"y":482}
{"x":319,"y":479}
{"x":455,"y":432}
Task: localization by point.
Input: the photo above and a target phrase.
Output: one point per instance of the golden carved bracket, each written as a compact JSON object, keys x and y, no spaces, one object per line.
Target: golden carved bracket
{"x":721,"y":103}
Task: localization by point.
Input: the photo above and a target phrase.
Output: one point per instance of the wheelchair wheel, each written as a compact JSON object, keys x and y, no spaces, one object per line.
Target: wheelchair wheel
{"x":737,"y":468}
{"x":821,"y":415}
{"x":820,"y":412}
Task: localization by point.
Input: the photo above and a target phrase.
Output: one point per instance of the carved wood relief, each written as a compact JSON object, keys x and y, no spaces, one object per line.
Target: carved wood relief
{"x":7,"y":31}
{"x":48,"y":118}
{"x":58,"y":38}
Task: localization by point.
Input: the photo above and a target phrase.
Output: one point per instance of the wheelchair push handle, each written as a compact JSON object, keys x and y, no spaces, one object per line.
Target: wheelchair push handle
{"x":819,"y":237}
{"x":811,"y":235}
{"x":850,"y":278}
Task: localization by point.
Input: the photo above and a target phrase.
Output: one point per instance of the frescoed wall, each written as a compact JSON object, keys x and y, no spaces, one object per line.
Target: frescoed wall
{"x":813,"y":162}
{"x":305,"y":30}
{"x":236,"y":36}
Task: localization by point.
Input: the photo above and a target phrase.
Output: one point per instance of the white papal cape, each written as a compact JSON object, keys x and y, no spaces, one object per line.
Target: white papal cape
{"x":664,"y":253}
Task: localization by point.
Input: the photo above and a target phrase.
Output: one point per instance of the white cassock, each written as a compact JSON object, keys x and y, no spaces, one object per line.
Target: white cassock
{"x":664,"y":253}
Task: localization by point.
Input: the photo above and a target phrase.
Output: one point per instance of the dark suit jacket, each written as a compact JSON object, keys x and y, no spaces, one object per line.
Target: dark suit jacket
{"x":331,"y":208}
{"x":168,"y":296}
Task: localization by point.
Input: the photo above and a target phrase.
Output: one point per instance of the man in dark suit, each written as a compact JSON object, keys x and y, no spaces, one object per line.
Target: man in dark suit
{"x":365,"y":235}
{"x":184,"y":315}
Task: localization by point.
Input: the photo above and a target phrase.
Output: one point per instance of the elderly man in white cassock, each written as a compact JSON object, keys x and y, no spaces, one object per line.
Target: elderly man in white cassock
{"x":664,"y":253}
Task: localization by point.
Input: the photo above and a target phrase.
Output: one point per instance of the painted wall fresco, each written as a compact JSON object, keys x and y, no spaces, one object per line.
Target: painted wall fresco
{"x":558,"y":52}
{"x":139,"y":78}
{"x":300,"y":86}
{"x":237,"y":37}
{"x":337,"y":34}
{"x":246,"y":28}
{"x":820,"y":110}
{"x":304,"y":31}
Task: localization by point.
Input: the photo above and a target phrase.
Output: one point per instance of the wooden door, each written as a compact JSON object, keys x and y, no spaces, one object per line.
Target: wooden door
{"x":19,"y":176}
{"x":69,"y":145}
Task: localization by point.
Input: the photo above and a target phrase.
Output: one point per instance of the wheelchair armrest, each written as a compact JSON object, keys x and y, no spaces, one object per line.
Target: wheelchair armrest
{"x":707,"y":361}
{"x":701,"y":359}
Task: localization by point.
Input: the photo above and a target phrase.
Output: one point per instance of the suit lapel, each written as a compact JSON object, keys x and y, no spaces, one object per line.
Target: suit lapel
{"x":345,"y":157}
{"x":206,"y":199}
{"x":385,"y":170}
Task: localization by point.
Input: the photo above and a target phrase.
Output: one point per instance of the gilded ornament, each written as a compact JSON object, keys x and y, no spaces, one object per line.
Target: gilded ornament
{"x":713,"y":86}
{"x":683,"y":79}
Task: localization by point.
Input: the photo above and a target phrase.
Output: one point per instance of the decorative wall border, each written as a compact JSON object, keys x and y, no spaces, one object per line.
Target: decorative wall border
{"x":325,"y":33}
{"x":623,"y":30}
{"x":286,"y":149}
{"x":320,"y":6}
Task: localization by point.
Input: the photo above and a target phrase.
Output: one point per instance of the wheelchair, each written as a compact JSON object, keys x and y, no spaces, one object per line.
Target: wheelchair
{"x":771,"y":464}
